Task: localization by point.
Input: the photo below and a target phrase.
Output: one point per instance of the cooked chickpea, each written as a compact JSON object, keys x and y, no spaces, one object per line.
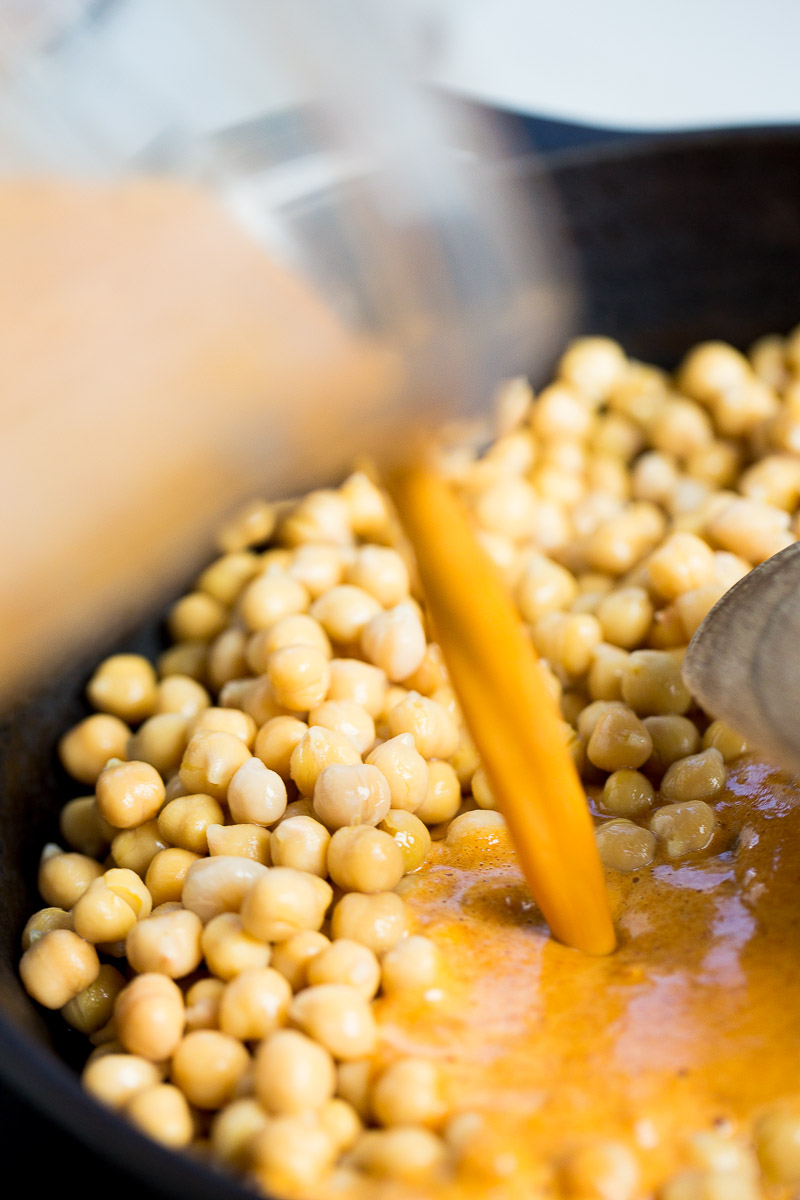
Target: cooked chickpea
{"x":378,"y":921}
{"x":625,"y":616}
{"x":275,"y":743}
{"x":293,"y":956}
{"x":269,"y":598}
{"x":321,"y":516}
{"x":673,"y":737}
{"x":167,"y":942}
{"x":284,"y":902}
{"x":166,"y":874}
{"x":624,"y":846}
{"x":619,"y":740}
{"x":351,"y":794}
{"x":364,"y":859}
{"x":394,"y":640}
{"x":338,"y":1017}
{"x":202,"y":1004}
{"x":64,"y":877}
{"x":228,"y":949}
{"x":404,"y":769}
{"x":293,"y":1073}
{"x":348,"y":718}
{"x":86,"y":748}
{"x":196,"y":617}
{"x":381,"y":572}
{"x":210,"y":761}
{"x":43,"y":922}
{"x":253,"y":523}
{"x":292,"y":1154}
{"x":627,"y":793}
{"x":317,"y":749}
{"x":604,"y":679}
{"x":300,"y":676}
{"x":226,"y":576}
{"x":730,"y":744}
{"x":297,"y":630}
{"x":125,"y":686}
{"x":409,"y":1092}
{"x":593,"y":365}
{"x":184,"y":658}
{"x":318,"y":567}
{"x":479,"y":828}
{"x":161,"y":1112}
{"x":413,"y":964}
{"x":233,"y":1131}
{"x":654,"y":477}
{"x":697,"y":777}
{"x":652,"y":684}
{"x":150,"y":1016}
{"x":410,"y":1154}
{"x":506,"y":506}
{"x":207,"y":1065}
{"x":129,"y":793}
{"x":346,"y":961}
{"x":359,"y":682}
{"x":344,"y":611}
{"x":256,"y":794}
{"x":684,"y":828}
{"x":254,"y":1004}
{"x":246,"y":840}
{"x":110,"y":907}
{"x":184,"y":821}
{"x":57,"y":967}
{"x":599,"y":1170}
{"x":750,"y":528}
{"x":83,"y":829}
{"x":442,"y":795}
{"x":160,"y":741}
{"x":114,"y":1079}
{"x":136,"y":848}
{"x":215,"y":885}
{"x":777,"y":1140}
{"x":224,"y":720}
{"x":410,"y":834}
{"x":302,"y":843}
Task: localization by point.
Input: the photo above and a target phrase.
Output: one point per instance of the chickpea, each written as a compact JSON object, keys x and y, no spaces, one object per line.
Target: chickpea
{"x":292,"y":1154}
{"x":654,"y":477}
{"x":129,"y":793}
{"x":111,"y":906}
{"x":269,"y":598}
{"x":216,"y":885}
{"x":57,"y":967}
{"x":348,"y":718}
{"x":708,"y":1185}
{"x":404,"y":769}
{"x":196,"y":617}
{"x":619,"y":740}
{"x":185,"y":658}
{"x":359,"y":682}
{"x":341,"y":1122}
{"x":413,"y":964}
{"x":321,"y":516}
{"x":394,"y":640}
{"x":442,"y":796}
{"x":43,"y":922}
{"x":652,"y":684}
{"x":302,"y":843}
{"x":605,"y":673}
{"x":245,"y":840}
{"x":478,"y":828}
{"x":256,"y":794}
{"x":568,"y":640}
{"x":254,"y":1004}
{"x":673,"y":738}
{"x":411,"y":836}
{"x":697,"y":777}
{"x":349,"y":962}
{"x":624,"y":846}
{"x":344,"y":611}
{"x":317,"y":749}
{"x":433,"y":729}
{"x":184,"y":822}
{"x":125,"y":686}
{"x":255,"y":697}
{"x":593,"y":365}
{"x":627,"y":793}
{"x":168,"y":943}
{"x":160,"y":741}
{"x":350,"y":794}
{"x":86,"y":748}
{"x":408,"y":1153}
{"x":228,"y":949}
{"x":507,"y":506}
{"x":300,"y":676}
{"x":364,"y":859}
{"x":83,"y":829}
{"x":377,"y":921}
{"x":224,"y":720}
{"x":695,"y":605}
{"x":166,"y":874}
{"x":136,"y":848}
{"x":275,"y":743}
{"x":293,"y":956}
{"x":63,"y":878}
{"x":293,"y":1073}
{"x":599,"y":1170}
{"x":338,"y":1017}
{"x":150,"y":1016}
{"x":727,"y":741}
{"x":233,"y":1131}
{"x":202,"y":1004}
{"x":284,"y":902}
{"x":210,"y":761}
{"x":253,"y":523}
{"x":684,"y":828}
{"x":115,"y":1079}
{"x":207,"y":1065}
{"x":409,"y":1092}
{"x":751,"y":529}
{"x":161,"y":1112}
{"x":625,"y":616}
{"x":381,"y":572}
{"x":366,"y":506}
{"x":318,"y":567}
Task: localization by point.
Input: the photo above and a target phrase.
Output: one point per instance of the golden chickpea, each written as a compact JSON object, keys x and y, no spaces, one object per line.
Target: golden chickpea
{"x":129,"y":793}
{"x":254,"y":1004}
{"x":364,"y":859}
{"x":284,"y":902}
{"x":269,"y":598}
{"x":166,"y":874}
{"x":233,"y":1131}
{"x":627,"y":794}
{"x":160,"y":741}
{"x":412,"y":965}
{"x":351,"y":794}
{"x":433,"y":729}
{"x":207,"y":1065}
{"x":673,"y":737}
{"x":136,"y":848}
{"x":604,"y":679}
{"x":709,"y":1184}
{"x":253,"y":523}
{"x":727,"y":741}
{"x":275,"y":743}
{"x":442,"y":795}
{"x":63,"y":878}
{"x":751,"y":529}
{"x":293,"y":956}
{"x":568,"y":640}
{"x":476,"y":829}
{"x":619,"y":740}
{"x":57,"y":967}
{"x":599,"y":1170}
{"x":378,"y":921}
{"x":300,"y":676}
{"x":105,"y":913}
{"x":654,"y":477}
{"x":681,"y":428}
{"x":359,"y":682}
{"x":625,"y":616}
{"x":338,"y":1017}
{"x":710,"y":369}
{"x":404,"y":769}
{"x":43,"y":922}
{"x":202,"y":1004}
{"x":150,"y":1016}
{"x":348,"y":718}
{"x":302,"y":843}
{"x":341,"y":1122}
{"x":167,"y":943}
{"x":507,"y":506}
{"x":366,"y":505}
{"x":394,"y":640}
{"x":409,"y":1092}
{"x":344,"y":611}
{"x":184,"y":822}
{"x":321,"y":516}
{"x":407,"y":1153}
{"x":299,"y":629}
{"x":228,"y":949}
{"x":83,"y":829}
{"x":381,"y":572}
{"x":292,"y":1154}
{"x":210,"y":761}
{"x":624,"y":846}
{"x":125,"y":686}
{"x":684,"y":828}
{"x":224,"y":720}
{"x":346,"y":961}
{"x":697,"y":777}
{"x":161,"y":1112}
{"x":115,"y":1079}
{"x":293,"y":1073}
{"x":220,"y":884}
{"x":593,"y":365}
{"x":86,"y":748}
{"x":245,"y":840}
{"x":652,"y":684}
{"x":196,"y":617}
{"x":411,"y":836}
{"x":317,"y":749}
{"x":256,"y":794}
{"x":318,"y":567}
{"x":226,"y":576}
{"x":185,"y":658}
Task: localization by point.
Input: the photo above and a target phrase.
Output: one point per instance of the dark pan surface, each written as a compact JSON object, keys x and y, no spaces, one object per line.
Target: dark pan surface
{"x":678,"y":240}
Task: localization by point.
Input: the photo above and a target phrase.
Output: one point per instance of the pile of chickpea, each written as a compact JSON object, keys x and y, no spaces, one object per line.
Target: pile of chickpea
{"x":255,"y":799}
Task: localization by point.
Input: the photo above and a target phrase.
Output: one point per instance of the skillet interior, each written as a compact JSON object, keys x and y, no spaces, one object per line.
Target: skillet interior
{"x":677,"y":240}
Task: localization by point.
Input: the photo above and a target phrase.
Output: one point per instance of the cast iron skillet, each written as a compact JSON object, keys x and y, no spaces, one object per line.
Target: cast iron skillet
{"x":678,"y":239}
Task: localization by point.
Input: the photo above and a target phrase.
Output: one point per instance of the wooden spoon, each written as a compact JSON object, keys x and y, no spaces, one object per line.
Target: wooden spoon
{"x":743,"y":663}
